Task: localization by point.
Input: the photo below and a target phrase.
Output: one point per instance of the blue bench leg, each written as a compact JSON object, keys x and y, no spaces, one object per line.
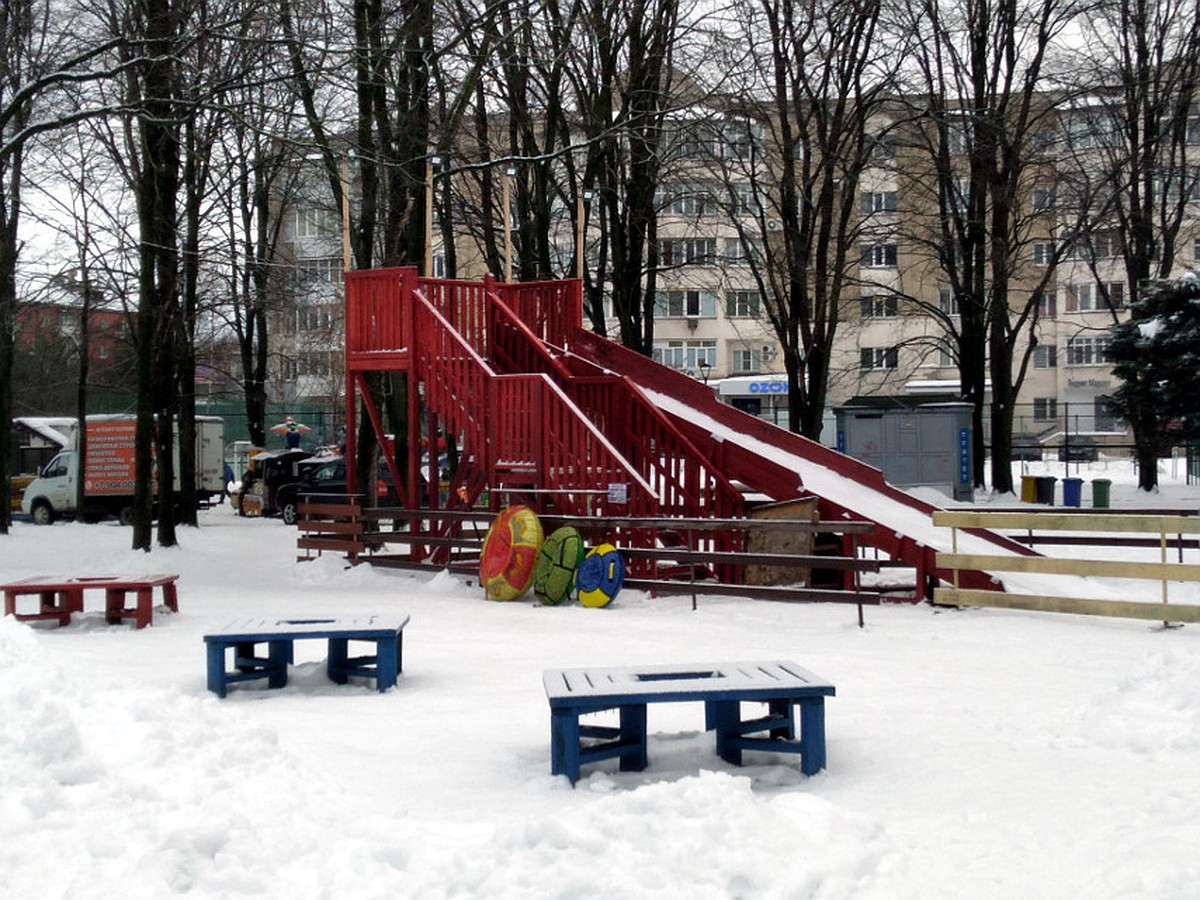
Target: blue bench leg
{"x":216,"y":668}
{"x":387,"y":663}
{"x":564,"y":744}
{"x":783,"y":709}
{"x":279,"y":654}
{"x":337,"y":660}
{"x":725,"y":716}
{"x":633,"y":729}
{"x":812,"y":735}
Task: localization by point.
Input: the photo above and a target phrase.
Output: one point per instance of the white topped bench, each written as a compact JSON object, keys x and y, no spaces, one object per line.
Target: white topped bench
{"x":723,"y":687}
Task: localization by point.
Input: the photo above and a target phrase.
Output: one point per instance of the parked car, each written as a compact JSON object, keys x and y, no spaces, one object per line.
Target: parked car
{"x":1026,"y":448}
{"x":330,"y":478}
{"x":1079,"y":449}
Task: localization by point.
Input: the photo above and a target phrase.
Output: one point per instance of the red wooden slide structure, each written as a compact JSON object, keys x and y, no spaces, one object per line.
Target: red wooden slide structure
{"x":544,"y":411}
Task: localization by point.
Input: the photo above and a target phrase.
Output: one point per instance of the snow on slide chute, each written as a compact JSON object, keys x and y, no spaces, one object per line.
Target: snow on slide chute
{"x":509,"y":553}
{"x":600,"y":575}
{"x":557,"y":560}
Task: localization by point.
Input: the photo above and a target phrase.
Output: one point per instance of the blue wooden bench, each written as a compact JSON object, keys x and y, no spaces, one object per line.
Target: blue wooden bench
{"x":279,"y":634}
{"x":723,"y":687}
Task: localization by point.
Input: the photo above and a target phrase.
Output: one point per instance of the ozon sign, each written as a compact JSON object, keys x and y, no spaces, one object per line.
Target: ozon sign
{"x":768,"y":387}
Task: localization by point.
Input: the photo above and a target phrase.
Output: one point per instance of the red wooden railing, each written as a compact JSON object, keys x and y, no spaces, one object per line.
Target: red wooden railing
{"x":519,"y":423}
{"x":375,"y":314}
{"x":552,"y":310}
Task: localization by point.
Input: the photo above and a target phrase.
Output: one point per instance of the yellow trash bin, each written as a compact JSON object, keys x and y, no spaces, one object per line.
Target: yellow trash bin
{"x":1028,"y":489}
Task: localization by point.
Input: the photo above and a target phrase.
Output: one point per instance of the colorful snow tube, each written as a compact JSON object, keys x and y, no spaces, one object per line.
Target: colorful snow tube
{"x":600,"y":575}
{"x":557,"y":560}
{"x":509,"y":553}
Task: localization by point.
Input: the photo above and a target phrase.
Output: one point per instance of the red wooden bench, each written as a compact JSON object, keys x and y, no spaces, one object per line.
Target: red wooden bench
{"x":59,"y":596}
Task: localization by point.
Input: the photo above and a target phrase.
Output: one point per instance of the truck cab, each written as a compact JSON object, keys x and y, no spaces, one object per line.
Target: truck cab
{"x":53,"y":491}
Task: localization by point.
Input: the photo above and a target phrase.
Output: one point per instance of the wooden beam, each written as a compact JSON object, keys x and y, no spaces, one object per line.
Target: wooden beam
{"x":1068,"y":522}
{"x":1049,"y":565}
{"x":1124,"y":609}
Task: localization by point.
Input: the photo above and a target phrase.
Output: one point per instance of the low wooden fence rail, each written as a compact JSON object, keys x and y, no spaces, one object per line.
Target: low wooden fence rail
{"x":1163,"y":571}
{"x":346,"y":527}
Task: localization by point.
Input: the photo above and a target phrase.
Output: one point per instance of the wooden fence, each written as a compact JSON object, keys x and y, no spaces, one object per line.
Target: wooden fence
{"x":366,"y":535}
{"x":1164,"y":571}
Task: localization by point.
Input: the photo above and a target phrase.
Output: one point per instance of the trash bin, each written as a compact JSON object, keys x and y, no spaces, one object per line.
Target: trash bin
{"x":1028,"y":489}
{"x":1072,"y":491}
{"x":1100,"y":488}
{"x":1045,"y":489}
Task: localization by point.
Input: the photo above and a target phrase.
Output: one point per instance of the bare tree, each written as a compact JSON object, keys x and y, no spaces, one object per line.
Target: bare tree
{"x":798,"y":192}
{"x":1129,"y":150}
{"x":985,"y":88}
{"x":42,"y":65}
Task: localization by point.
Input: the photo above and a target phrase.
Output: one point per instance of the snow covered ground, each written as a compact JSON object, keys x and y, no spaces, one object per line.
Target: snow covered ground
{"x":972,"y":754}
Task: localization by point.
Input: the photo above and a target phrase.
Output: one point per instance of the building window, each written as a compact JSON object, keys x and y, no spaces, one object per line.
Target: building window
{"x":878,"y":256}
{"x":694,"y":200}
{"x":743,"y":304}
{"x":1048,"y":305}
{"x":742,"y":138}
{"x":685,"y":354}
{"x":1081,"y":297}
{"x":883,"y":148}
{"x":742,"y":251}
{"x":1043,"y":253}
{"x":747,"y":360}
{"x":1088,"y":297}
{"x":1045,"y":356}
{"x":1045,"y":409}
{"x":946,"y":357}
{"x":325,"y":269}
{"x":685,"y":305}
{"x":745,"y":202}
{"x":947,"y":302}
{"x":688,"y":252}
{"x":883,"y":306}
{"x":877,"y":202}
{"x":1043,"y":199}
{"x":879,"y":357}
{"x":958,"y":134}
{"x":1106,"y":417}
{"x":311,"y":222}
{"x":1087,"y":351}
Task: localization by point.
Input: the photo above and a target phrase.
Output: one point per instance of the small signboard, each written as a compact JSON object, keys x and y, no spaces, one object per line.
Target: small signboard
{"x":618,"y":492}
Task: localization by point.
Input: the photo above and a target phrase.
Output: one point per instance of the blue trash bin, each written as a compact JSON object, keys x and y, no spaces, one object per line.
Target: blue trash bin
{"x":1072,"y":491}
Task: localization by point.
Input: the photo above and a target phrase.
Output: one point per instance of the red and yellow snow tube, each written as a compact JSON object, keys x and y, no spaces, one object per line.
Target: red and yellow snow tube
{"x":509,"y":553}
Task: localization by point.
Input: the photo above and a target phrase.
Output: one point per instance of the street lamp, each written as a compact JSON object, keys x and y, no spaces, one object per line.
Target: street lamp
{"x":432,"y":162}
{"x":509,"y":172}
{"x":704,"y":367}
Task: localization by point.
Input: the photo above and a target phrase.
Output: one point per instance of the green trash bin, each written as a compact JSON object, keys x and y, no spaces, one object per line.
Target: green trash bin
{"x":1100,"y":492}
{"x":1045,"y":489}
{"x":1029,"y":489}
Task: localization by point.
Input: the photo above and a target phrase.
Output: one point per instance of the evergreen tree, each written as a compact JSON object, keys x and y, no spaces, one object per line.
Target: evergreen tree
{"x":1156,"y":357}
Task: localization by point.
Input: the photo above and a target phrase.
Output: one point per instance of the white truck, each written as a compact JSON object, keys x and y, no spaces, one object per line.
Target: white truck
{"x":109,"y":474}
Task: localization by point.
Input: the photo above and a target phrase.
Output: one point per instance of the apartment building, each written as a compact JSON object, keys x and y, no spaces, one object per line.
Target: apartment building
{"x":711,"y":316}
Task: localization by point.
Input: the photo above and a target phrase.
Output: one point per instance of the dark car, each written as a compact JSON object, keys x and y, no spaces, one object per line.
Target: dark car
{"x":330,"y":478}
{"x":1079,"y":449}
